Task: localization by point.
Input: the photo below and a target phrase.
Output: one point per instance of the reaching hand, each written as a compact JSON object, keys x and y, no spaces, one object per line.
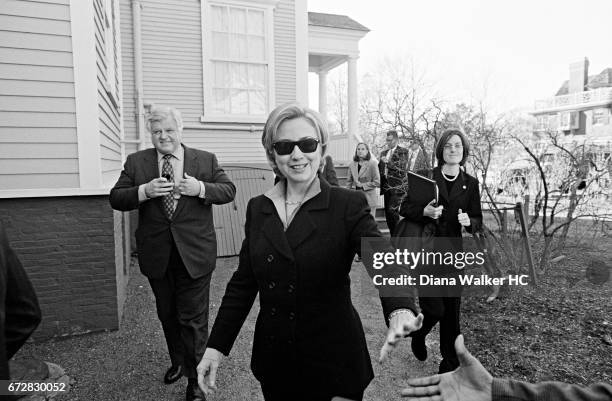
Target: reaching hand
{"x":469,"y":382}
{"x":207,"y":370}
{"x":189,"y":186}
{"x":400,"y":325}
{"x":464,"y":219}
{"x":158,"y":187}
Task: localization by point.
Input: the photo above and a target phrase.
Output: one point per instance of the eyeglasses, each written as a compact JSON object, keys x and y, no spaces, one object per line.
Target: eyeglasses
{"x":307,"y":145}
{"x":450,"y":146}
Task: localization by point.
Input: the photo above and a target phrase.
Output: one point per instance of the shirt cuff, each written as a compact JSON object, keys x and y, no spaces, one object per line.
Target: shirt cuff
{"x":202,"y":190}
{"x":142,"y":195}
{"x":399,"y":311}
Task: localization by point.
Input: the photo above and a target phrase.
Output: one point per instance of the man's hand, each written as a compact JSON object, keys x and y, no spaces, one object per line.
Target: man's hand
{"x":470,"y":382}
{"x":464,"y":219}
{"x":207,"y":370}
{"x":158,"y":187}
{"x":189,"y":186}
{"x":400,"y":325}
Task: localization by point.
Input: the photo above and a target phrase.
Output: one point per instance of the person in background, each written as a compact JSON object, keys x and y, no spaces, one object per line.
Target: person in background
{"x":458,"y":208}
{"x":174,"y":187}
{"x":300,"y":240}
{"x":417,"y":160}
{"x":364,"y":175}
{"x":19,"y":311}
{"x":472,"y":382}
{"x":392,"y":169}
{"x":329,"y":172}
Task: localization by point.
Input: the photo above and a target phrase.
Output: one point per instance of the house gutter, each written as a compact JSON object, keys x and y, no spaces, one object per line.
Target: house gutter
{"x":140,"y":127}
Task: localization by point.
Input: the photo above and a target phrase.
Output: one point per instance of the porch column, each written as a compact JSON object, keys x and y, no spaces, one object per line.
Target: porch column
{"x":353,"y":106}
{"x":323,"y":94}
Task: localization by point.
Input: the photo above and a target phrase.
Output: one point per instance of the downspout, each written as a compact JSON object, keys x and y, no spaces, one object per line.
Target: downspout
{"x":140,"y":128}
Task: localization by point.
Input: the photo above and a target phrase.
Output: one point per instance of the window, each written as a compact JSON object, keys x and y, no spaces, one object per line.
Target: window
{"x":238,"y":60}
{"x":110,"y":54}
{"x":542,"y":122}
{"x":601,"y":116}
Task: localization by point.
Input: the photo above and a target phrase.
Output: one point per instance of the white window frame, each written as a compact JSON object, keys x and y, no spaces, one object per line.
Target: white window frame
{"x":267,"y":6}
{"x":111,"y":29}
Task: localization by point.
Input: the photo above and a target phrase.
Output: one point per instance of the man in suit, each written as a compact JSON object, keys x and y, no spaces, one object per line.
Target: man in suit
{"x":19,"y":310}
{"x":392,"y":166}
{"x":416,"y":158}
{"x":173,"y":187}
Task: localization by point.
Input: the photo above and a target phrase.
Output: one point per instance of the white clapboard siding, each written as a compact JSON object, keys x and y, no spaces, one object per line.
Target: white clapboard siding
{"x":284,"y":51}
{"x":38,"y":139}
{"x":172,"y":56}
{"x":108,"y":112}
{"x":231,"y":147}
{"x":127,"y":71}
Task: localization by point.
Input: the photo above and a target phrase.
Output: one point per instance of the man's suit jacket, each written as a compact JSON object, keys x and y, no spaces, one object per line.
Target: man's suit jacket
{"x":396,"y":169}
{"x":19,"y":310}
{"x":368,"y":176}
{"x":507,"y":389}
{"x":191,"y":227}
{"x":307,"y":325}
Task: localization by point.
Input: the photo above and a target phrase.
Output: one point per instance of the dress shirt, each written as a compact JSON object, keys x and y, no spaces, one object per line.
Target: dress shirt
{"x":177,"y":162}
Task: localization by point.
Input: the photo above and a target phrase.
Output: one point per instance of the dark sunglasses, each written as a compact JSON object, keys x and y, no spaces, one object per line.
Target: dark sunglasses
{"x":307,"y":145}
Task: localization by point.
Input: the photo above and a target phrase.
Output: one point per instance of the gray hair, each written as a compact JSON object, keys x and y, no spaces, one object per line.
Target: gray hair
{"x":290,"y":111}
{"x":160,"y":113}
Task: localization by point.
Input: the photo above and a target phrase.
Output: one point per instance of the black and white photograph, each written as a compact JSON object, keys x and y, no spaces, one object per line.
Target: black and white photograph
{"x":305,"y":200}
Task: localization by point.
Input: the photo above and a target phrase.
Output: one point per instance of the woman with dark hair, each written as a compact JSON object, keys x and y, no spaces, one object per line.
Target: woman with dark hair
{"x":364,"y":175}
{"x":300,"y":239}
{"x":458,"y":208}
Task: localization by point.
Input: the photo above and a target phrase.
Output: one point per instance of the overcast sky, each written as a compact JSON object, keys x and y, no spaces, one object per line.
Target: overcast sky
{"x":521,"y":48}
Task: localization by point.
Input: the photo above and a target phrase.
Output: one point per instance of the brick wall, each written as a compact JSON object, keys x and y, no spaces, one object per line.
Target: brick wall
{"x":67,"y":245}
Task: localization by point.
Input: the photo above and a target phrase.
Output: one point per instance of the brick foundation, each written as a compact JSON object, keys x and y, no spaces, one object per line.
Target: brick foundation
{"x":73,"y":251}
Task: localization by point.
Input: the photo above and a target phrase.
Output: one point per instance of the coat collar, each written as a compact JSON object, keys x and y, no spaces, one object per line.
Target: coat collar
{"x":458,"y":188}
{"x":302,"y":226}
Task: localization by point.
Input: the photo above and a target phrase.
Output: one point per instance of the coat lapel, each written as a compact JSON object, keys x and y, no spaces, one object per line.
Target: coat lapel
{"x":274,"y":231}
{"x":303,"y":224}
{"x":364,"y":170}
{"x":151,"y":171}
{"x":437,"y":174}
{"x":459,"y":187}
{"x":190,"y":166}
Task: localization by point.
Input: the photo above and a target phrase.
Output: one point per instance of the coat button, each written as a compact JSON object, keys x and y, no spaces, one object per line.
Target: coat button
{"x":291,"y":288}
{"x":270,"y":258}
{"x":271,"y":284}
{"x":291,"y":315}
{"x":289,"y":342}
{"x":273,"y":311}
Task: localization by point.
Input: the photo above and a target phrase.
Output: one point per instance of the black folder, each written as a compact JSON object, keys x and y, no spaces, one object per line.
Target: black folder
{"x":421,"y":190}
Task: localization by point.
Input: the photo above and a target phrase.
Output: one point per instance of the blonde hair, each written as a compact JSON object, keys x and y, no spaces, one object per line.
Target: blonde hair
{"x":290,"y":111}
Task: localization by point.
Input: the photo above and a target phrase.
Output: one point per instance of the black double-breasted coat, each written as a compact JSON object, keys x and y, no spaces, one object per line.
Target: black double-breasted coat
{"x":307,"y":330}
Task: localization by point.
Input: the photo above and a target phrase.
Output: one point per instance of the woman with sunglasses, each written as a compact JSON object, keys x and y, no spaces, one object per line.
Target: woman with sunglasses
{"x":458,"y":208}
{"x":364,"y":175}
{"x":300,"y":239}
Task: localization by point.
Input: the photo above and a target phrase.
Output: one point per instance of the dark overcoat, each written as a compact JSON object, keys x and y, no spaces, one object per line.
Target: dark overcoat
{"x":307,"y":329}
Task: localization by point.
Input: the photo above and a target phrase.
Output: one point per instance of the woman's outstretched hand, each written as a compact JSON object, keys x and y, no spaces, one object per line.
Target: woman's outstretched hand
{"x":207,"y":370}
{"x":400,"y":325}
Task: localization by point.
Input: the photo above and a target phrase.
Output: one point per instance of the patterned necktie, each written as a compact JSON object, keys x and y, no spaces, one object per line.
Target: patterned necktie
{"x":168,"y":200}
